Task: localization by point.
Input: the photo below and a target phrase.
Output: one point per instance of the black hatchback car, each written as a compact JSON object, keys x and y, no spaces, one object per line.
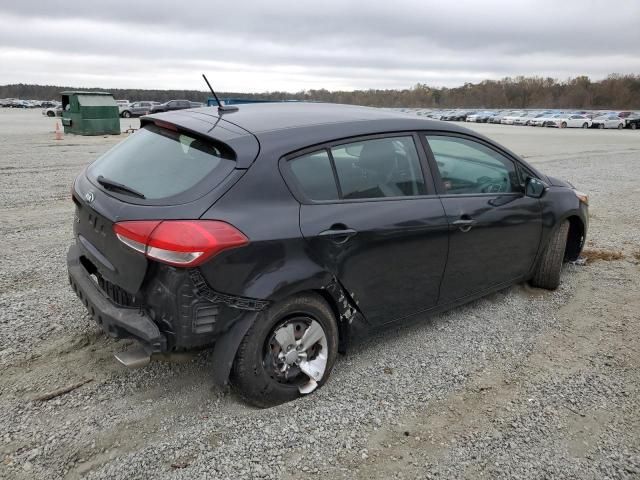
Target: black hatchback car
{"x":277,"y":233}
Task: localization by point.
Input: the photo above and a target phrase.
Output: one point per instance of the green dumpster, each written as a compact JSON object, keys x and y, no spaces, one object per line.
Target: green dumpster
{"x":90,"y":113}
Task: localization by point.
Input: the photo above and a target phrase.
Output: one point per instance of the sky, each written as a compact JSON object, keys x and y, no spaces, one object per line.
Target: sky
{"x":258,"y":45}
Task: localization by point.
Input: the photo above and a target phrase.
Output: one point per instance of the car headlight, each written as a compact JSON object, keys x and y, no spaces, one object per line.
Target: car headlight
{"x":583,"y":197}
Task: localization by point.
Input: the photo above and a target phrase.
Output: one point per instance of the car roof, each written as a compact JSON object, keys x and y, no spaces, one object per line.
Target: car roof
{"x":269,"y":117}
{"x":285,"y":127}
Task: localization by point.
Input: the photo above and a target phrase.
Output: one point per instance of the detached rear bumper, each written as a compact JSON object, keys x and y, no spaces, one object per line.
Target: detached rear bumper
{"x":117,"y":321}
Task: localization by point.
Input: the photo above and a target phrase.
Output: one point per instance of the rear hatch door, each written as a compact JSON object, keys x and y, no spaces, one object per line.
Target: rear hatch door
{"x":162,"y":172}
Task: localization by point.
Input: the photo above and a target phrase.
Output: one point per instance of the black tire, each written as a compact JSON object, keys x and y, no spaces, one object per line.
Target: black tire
{"x":563,"y":125}
{"x":620,"y":126}
{"x":251,"y":378}
{"x":547,"y":272}
{"x":585,"y":125}
{"x":51,"y":114}
{"x":601,"y":125}
{"x":126,"y":114}
{"x":634,"y":126}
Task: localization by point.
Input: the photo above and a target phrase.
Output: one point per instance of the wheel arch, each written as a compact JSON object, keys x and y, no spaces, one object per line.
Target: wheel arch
{"x":575,"y":238}
{"x":346,"y":314}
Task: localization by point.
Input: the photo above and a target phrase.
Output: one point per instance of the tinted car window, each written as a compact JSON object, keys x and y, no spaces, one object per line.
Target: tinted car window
{"x":161,"y":163}
{"x":385,"y":167}
{"x":467,"y":166}
{"x":315,"y":176}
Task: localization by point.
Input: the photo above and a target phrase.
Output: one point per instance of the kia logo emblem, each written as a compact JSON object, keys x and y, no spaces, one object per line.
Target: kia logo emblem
{"x":89,"y":197}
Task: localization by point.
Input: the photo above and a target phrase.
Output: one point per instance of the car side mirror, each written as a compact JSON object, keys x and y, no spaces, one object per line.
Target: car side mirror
{"x":535,"y":187}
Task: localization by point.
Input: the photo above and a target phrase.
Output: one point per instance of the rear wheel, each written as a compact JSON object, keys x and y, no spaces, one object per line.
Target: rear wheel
{"x":547,"y":272}
{"x":563,"y":125}
{"x":620,"y":126}
{"x":289,"y":351}
{"x":51,"y":114}
{"x":601,"y":125}
{"x":585,"y":125}
{"x":634,"y":126}
{"x":126,"y":114}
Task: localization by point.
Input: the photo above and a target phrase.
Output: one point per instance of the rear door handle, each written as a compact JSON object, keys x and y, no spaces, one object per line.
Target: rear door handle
{"x":338,"y":235}
{"x":464,"y":224}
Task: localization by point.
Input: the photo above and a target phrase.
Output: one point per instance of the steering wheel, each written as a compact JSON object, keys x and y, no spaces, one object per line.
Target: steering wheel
{"x":490,"y":185}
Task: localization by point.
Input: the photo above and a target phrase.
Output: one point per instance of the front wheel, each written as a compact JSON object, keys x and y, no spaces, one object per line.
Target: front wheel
{"x":620,"y":126}
{"x":51,"y":114}
{"x":547,"y":272}
{"x":601,"y":125}
{"x":634,"y":126}
{"x":126,"y":114}
{"x":563,"y":125}
{"x":585,"y":125}
{"x":289,"y":351}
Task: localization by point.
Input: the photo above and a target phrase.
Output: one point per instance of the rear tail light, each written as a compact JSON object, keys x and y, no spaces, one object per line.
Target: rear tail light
{"x":182,"y":243}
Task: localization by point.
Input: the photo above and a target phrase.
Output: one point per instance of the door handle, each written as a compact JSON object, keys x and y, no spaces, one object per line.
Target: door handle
{"x":464,"y":224}
{"x":338,"y":235}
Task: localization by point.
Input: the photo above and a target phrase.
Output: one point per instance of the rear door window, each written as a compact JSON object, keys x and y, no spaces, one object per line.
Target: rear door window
{"x":382,"y":167}
{"x":366,"y":169}
{"x":161,"y":163}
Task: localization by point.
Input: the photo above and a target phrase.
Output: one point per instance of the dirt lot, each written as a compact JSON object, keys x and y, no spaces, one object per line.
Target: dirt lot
{"x":523,"y":384}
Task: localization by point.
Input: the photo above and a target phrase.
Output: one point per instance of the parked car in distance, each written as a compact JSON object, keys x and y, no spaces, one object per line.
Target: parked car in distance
{"x":632,"y":121}
{"x":279,"y":232}
{"x":542,"y":120}
{"x":480,"y":117}
{"x":171,"y":105}
{"x":570,"y":121}
{"x":526,"y":119}
{"x":138,"y":109}
{"x":498,"y":117}
{"x":122,"y":105}
{"x":608,"y":121}
{"x":53,"y":111}
{"x":511,"y":118}
{"x":437,"y":115}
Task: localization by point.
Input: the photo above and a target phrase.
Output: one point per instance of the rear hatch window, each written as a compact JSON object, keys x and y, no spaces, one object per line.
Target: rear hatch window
{"x":159,"y":163}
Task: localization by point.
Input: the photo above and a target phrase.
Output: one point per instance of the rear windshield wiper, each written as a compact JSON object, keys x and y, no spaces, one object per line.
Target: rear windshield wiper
{"x":113,"y":185}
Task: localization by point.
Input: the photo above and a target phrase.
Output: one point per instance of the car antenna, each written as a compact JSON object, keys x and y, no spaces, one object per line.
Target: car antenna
{"x":221,"y":108}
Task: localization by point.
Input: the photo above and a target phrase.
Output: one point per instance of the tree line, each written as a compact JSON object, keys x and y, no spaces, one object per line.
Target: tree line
{"x":616,"y":91}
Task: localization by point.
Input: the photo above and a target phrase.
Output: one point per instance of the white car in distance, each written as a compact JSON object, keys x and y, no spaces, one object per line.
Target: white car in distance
{"x":544,"y":120}
{"x":123,"y":105}
{"x":609,"y":121}
{"x":571,"y":121}
{"x":510,"y":119}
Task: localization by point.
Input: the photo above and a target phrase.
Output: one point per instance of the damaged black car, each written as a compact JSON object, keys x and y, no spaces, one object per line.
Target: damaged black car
{"x":275,"y":234}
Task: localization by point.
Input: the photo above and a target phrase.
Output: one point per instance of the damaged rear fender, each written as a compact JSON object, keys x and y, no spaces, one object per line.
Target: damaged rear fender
{"x":347,"y":313}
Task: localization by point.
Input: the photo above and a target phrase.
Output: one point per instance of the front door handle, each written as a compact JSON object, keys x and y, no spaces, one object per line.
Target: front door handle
{"x":464,"y":223}
{"x":338,"y":235}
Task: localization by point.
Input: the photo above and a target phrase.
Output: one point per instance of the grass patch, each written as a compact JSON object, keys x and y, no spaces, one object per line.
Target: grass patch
{"x":595,"y":254}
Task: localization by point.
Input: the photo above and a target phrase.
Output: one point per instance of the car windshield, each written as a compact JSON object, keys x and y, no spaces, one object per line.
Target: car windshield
{"x":161,"y":163}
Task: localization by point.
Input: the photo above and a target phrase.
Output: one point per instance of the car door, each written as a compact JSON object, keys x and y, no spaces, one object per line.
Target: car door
{"x":372,"y":220}
{"x":577,"y":120}
{"x":494,"y":229}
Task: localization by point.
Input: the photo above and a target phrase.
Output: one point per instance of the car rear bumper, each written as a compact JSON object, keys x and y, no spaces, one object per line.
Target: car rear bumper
{"x":117,"y":321}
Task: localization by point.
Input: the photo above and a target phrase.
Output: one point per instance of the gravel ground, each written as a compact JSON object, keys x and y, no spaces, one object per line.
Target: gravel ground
{"x":522,"y":384}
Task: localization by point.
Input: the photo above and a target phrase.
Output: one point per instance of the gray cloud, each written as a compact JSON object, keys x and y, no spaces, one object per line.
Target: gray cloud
{"x":256,"y":45}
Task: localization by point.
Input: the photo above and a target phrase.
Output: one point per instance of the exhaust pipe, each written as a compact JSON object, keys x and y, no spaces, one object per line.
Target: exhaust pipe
{"x":135,"y":358}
